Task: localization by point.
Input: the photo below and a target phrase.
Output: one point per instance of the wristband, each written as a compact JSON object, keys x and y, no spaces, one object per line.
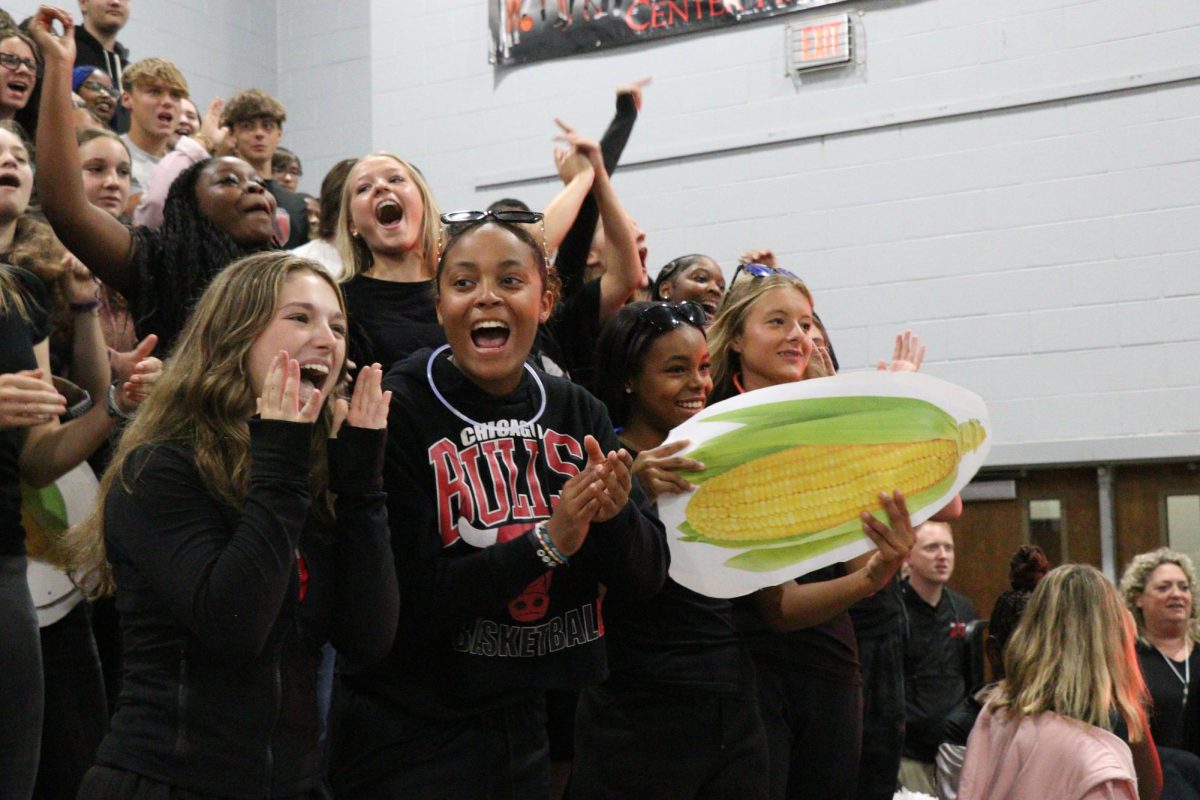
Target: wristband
{"x":85,"y":306}
{"x":111,"y":406}
{"x":547,"y":551}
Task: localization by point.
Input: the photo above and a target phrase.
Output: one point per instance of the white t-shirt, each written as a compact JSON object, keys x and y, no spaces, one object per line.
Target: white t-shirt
{"x":143,"y":165}
{"x":324,"y":254}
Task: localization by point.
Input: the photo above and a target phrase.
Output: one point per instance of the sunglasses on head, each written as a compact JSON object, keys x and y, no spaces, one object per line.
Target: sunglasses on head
{"x":666,"y":317}
{"x":455,"y":222}
{"x":513,"y":215}
{"x":760,"y":271}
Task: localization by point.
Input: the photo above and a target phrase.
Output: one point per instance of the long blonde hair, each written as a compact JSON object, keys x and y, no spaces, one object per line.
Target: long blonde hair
{"x":731,"y":321}
{"x":356,"y":255}
{"x":202,"y":401}
{"x":1137,"y":574}
{"x":1073,"y":653}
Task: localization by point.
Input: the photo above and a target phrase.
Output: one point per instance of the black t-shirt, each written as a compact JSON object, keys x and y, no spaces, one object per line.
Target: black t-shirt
{"x":828,"y":650}
{"x":880,"y":614}
{"x":676,"y":640}
{"x":389,"y":319}
{"x":17,"y":338}
{"x":1168,"y":722}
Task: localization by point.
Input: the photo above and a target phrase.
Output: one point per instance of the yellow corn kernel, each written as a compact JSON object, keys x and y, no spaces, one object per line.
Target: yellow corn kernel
{"x":778,"y":496}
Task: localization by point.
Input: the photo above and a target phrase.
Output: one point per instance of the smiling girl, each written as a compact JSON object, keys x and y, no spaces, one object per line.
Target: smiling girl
{"x":216,"y":211}
{"x":802,"y":639}
{"x":242,"y":522}
{"x":510,"y":502}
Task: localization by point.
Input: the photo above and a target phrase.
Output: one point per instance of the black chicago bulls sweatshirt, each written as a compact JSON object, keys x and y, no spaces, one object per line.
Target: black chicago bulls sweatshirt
{"x":468,"y":476}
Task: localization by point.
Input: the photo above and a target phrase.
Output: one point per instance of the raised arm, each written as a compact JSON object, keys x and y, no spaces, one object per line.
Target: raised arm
{"x":560,"y":213}
{"x":623,"y":274}
{"x":95,"y":236}
{"x":573,"y":250}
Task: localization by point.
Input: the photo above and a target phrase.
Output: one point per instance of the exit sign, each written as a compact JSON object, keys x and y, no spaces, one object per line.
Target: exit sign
{"x":819,"y":42}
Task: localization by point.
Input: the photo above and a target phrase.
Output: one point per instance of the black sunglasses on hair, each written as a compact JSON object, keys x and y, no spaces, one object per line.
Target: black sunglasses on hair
{"x":666,"y":317}
{"x":509,"y":215}
{"x":760,"y":271}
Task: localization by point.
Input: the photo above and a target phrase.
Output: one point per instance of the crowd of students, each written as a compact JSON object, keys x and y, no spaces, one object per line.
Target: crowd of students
{"x":464,"y":522}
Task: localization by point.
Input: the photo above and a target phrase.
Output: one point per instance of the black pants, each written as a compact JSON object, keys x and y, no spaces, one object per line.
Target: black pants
{"x":377,"y":750}
{"x":644,"y":744}
{"x":76,"y":709}
{"x":814,"y":731}
{"x":20,"y":682}
{"x":882,"y":659}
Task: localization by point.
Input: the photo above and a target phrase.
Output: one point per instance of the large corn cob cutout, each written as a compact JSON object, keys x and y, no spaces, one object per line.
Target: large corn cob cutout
{"x":789,"y":491}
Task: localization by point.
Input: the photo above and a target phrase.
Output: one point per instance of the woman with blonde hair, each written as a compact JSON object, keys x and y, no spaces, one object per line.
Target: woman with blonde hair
{"x":1158,"y":591}
{"x":1070,"y":674}
{"x":242,"y":524}
{"x":799,"y":633}
{"x":387,"y":236}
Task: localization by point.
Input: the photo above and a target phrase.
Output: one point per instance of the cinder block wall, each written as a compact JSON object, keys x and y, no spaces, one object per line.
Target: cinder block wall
{"x":1019,"y":182}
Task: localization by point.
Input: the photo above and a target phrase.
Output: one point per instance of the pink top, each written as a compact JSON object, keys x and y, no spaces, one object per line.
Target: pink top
{"x":150,"y":210}
{"x":1044,"y":756}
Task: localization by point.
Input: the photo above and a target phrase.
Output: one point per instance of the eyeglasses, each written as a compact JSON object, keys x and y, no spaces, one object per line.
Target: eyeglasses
{"x":14,"y":63}
{"x":666,"y":317}
{"x":97,"y":86}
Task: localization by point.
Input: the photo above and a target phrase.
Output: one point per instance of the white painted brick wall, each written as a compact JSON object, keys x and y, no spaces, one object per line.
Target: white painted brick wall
{"x":1018,"y":181}
{"x":325,"y":80}
{"x":1040,"y":229}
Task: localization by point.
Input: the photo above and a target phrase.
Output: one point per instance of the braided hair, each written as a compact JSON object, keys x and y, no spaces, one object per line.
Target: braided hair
{"x":191,"y":246}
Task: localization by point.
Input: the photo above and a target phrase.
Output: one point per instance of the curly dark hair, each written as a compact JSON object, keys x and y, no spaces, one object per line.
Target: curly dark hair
{"x":192,"y":245}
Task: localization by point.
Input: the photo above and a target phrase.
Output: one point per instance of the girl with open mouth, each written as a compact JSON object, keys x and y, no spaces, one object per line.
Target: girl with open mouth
{"x":18,"y":72}
{"x":241,"y":525}
{"x":510,"y":501}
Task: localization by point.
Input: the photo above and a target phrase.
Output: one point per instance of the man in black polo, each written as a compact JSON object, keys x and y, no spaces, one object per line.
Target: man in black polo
{"x":934,"y":658}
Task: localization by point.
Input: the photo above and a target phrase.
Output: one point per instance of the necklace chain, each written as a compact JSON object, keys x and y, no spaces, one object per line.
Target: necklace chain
{"x":1186,"y":677}
{"x":429,"y":376}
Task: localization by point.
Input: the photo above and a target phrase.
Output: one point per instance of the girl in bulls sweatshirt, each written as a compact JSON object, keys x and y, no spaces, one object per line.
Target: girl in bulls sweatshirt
{"x":510,"y":503}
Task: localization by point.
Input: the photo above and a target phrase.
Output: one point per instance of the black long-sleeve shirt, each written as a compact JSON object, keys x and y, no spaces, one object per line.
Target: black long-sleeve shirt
{"x":224,"y":610}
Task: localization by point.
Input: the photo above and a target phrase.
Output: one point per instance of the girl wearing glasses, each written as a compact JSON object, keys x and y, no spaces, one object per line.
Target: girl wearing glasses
{"x":510,"y":501}
{"x":18,"y":72}
{"x":95,"y":88}
{"x":799,"y":633}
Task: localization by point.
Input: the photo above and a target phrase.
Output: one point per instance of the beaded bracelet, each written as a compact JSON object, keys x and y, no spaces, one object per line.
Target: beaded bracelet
{"x":547,"y":551}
